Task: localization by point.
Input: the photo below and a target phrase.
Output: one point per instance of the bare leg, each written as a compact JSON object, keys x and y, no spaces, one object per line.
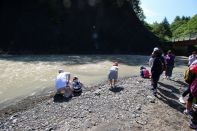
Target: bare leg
{"x":110,"y":82}
{"x":189,"y":105}
{"x":115,"y":82}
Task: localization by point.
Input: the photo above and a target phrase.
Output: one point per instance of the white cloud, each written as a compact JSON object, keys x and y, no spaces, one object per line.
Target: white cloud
{"x":149,"y":13}
{"x":152,"y":15}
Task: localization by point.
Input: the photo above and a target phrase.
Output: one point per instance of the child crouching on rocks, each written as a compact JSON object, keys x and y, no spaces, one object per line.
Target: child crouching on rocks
{"x":144,"y":73}
{"x":113,"y":75}
{"x":77,"y":86}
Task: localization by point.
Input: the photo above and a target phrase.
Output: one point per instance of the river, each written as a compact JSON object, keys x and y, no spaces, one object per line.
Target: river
{"x":26,"y":75}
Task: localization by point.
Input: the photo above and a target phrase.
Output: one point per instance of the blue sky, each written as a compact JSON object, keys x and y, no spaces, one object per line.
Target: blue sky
{"x":156,"y":10}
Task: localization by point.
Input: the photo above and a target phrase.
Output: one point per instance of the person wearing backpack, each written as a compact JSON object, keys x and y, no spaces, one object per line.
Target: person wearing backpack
{"x":192,"y":97}
{"x":157,"y":69}
{"x":191,"y":88}
{"x":192,"y":58}
{"x":188,"y":77}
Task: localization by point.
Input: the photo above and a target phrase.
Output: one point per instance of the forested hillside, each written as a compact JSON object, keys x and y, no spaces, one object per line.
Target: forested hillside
{"x":73,"y":26}
{"x":181,"y":27}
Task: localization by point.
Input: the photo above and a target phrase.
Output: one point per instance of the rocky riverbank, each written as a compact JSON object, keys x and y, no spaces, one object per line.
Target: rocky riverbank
{"x":131,"y":106}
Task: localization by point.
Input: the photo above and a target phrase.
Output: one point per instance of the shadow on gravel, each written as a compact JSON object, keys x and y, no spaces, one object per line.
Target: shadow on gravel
{"x":171,"y":102}
{"x":166,"y":94}
{"x":116,"y":89}
{"x":59,"y":98}
{"x":76,"y":94}
{"x":181,"y":83}
{"x":175,"y":90}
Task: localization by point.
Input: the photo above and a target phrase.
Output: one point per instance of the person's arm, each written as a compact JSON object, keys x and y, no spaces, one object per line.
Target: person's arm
{"x":153,"y":64}
{"x":81,"y":84}
{"x":150,"y":62}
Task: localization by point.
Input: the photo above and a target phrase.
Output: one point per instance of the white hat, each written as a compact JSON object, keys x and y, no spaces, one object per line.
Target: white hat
{"x":156,"y":49}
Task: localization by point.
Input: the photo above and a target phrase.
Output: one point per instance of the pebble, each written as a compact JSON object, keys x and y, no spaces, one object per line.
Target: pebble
{"x":88,"y":110}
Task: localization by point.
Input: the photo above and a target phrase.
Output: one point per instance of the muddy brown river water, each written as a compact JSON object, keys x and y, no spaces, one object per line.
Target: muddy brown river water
{"x":28,"y":75}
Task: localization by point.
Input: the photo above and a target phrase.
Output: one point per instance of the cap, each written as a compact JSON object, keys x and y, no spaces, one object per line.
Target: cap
{"x":60,"y":70}
{"x":156,"y":49}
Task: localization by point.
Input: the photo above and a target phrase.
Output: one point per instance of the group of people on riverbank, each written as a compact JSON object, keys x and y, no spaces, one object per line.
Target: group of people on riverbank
{"x":159,"y":63}
{"x":66,"y":88}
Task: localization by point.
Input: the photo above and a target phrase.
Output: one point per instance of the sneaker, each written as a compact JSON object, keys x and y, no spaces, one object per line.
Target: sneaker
{"x":181,"y":100}
{"x":187,"y":112}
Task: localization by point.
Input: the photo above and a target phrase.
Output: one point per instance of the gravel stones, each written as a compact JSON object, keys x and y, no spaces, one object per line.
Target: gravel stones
{"x":131,"y":106}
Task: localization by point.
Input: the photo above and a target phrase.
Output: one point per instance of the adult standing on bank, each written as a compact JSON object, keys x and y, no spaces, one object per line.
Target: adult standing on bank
{"x":192,"y":58}
{"x":169,"y":59}
{"x":157,"y":69}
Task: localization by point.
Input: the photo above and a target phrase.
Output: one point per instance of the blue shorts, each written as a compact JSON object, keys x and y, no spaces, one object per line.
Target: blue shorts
{"x":113,"y":75}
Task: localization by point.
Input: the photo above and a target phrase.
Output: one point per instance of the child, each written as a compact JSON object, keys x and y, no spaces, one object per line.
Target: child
{"x":76,"y":85}
{"x":113,"y":74}
{"x":144,"y":73}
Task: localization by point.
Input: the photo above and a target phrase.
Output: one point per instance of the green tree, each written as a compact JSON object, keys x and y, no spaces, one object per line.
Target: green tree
{"x":138,"y":10}
{"x":179,"y":26}
{"x":157,"y":29}
{"x":183,"y":27}
{"x":166,"y":28}
{"x":161,"y":30}
{"x":192,"y":25}
{"x":148,"y":26}
{"x":177,"y":18}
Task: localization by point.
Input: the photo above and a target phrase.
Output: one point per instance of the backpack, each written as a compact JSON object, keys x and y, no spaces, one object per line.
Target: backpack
{"x":189,"y":76}
{"x":163,"y":64}
{"x":193,"y":88}
{"x":160,"y":67}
